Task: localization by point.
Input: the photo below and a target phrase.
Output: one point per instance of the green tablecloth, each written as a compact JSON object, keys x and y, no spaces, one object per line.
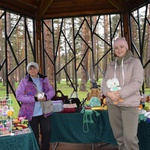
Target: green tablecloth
{"x":19,"y":142}
{"x":144,"y":135}
{"x":68,"y":127}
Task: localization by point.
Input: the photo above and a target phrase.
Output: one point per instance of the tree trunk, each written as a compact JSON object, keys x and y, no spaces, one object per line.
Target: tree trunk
{"x":85,"y":60}
{"x":49,"y":48}
{"x":105,"y":62}
{"x":147,"y":69}
{"x":9,"y":56}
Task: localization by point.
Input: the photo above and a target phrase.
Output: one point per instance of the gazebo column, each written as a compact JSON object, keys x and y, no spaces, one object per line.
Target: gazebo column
{"x":126,"y":28}
{"x":39,"y":54}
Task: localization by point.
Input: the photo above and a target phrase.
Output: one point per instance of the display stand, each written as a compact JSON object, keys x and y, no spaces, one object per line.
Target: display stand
{"x":6,"y":111}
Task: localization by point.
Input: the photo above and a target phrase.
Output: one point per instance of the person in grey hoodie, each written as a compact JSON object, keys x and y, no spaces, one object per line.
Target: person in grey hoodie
{"x":27,"y":93}
{"x":123,"y":104}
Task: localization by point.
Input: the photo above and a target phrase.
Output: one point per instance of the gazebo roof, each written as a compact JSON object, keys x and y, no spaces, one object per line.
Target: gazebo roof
{"x":68,"y":8}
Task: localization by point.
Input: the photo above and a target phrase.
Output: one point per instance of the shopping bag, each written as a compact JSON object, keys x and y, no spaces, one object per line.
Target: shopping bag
{"x":47,"y":106}
{"x":75,"y":101}
{"x":60,"y":96}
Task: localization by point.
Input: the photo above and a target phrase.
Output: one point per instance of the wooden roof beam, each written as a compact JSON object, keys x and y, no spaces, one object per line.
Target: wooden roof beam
{"x":27,"y":4}
{"x":44,"y":5}
{"x":119,"y":4}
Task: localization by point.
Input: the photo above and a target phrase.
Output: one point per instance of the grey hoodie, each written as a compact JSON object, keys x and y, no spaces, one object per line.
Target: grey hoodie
{"x":130,"y":74}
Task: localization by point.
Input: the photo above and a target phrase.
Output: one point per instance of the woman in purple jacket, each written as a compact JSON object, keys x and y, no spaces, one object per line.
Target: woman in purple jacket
{"x":27,"y":94}
{"x":123,"y":104}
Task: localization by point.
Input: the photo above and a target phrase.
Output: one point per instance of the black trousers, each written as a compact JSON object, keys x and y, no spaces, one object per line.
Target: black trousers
{"x":41,"y":125}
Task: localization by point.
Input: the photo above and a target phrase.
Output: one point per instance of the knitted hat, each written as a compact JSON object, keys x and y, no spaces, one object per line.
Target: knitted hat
{"x":121,"y":41}
{"x":32,"y":64}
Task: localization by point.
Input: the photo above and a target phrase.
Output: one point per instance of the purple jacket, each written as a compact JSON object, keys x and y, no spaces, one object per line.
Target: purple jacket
{"x":25,"y":94}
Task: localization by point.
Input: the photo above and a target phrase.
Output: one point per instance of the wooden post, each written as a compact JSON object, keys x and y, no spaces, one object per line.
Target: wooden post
{"x":126,"y":28}
{"x":39,"y":54}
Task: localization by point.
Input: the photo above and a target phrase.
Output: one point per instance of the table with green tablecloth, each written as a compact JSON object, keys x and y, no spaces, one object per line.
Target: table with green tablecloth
{"x":144,"y":135}
{"x":25,"y":141}
{"x":68,"y":127}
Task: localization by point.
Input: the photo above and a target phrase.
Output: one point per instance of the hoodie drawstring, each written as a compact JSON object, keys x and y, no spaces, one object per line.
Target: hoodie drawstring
{"x":115,"y":68}
{"x":121,"y":69}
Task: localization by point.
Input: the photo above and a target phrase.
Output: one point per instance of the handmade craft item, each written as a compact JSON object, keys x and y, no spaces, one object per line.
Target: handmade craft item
{"x":113,"y":85}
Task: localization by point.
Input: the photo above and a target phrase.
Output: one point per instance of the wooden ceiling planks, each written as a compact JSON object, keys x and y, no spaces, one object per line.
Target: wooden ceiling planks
{"x":120,"y":5}
{"x":20,"y":7}
{"x":133,"y":4}
{"x":68,"y":8}
{"x":43,"y":7}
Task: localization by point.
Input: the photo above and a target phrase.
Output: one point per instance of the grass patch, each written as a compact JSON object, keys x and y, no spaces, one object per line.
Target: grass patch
{"x":147,"y":91}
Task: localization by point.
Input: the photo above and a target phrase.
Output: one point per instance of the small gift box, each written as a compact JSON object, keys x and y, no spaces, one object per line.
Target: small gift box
{"x":57,"y":106}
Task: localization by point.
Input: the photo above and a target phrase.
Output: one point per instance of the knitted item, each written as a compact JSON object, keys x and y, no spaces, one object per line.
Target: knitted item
{"x":32,"y":64}
{"x":121,"y":41}
{"x":127,"y":55}
{"x":95,"y":101}
{"x":87,"y":118}
{"x":95,"y":92}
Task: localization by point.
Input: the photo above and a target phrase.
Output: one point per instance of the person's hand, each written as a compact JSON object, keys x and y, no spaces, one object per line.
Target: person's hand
{"x":42,"y":99}
{"x":117,"y":94}
{"x":114,"y":95}
{"x":40,"y":96}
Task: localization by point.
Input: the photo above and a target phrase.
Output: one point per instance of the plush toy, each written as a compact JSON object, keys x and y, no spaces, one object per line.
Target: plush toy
{"x":113,"y":85}
{"x":95,"y":92}
{"x":142,"y":116}
{"x":102,"y":107}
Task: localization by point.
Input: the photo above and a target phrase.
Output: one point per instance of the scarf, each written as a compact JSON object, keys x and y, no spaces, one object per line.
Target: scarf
{"x":127,"y":55}
{"x":120,"y":61}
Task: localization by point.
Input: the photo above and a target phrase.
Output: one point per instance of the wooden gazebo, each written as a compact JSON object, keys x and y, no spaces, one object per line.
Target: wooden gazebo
{"x":42,"y":14}
{"x":40,"y":10}
{"x":45,"y":9}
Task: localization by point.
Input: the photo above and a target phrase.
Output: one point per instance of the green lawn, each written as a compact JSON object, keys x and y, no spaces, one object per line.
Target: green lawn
{"x":147,"y":91}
